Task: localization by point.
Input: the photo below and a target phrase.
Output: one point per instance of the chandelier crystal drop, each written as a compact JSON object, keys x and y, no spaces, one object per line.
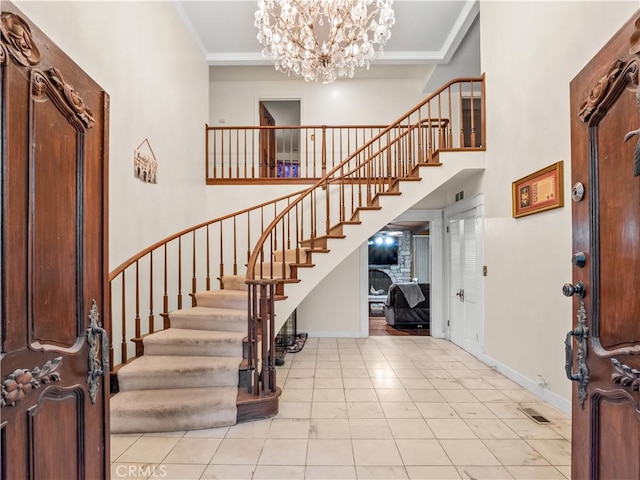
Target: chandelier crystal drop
{"x":321,"y":40}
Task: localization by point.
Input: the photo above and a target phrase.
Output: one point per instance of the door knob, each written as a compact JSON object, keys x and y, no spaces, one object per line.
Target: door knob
{"x":569,"y":290}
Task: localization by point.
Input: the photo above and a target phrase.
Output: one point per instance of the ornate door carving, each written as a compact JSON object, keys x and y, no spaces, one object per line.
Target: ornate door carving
{"x":606,"y":274}
{"x":53,"y":201}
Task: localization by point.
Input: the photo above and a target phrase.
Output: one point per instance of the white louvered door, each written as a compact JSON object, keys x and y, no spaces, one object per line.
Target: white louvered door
{"x":465,"y":318}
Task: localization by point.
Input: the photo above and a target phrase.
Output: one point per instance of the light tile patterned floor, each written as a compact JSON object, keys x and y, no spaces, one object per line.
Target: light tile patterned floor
{"x":373,"y":408}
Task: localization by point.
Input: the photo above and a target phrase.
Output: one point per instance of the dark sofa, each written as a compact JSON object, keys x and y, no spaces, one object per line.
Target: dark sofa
{"x":398,"y":313}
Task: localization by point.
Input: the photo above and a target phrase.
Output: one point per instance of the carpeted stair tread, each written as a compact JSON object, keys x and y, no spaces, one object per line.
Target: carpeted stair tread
{"x":231,"y":299}
{"x":234,"y":282}
{"x":290,"y":255}
{"x":211,"y":318}
{"x":185,"y":341}
{"x":171,"y":372}
{"x":169,"y":410}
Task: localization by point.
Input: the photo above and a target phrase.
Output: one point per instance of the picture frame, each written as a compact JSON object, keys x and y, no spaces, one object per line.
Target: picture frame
{"x":539,"y":191}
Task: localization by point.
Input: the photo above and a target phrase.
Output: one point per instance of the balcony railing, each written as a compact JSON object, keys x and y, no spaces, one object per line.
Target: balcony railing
{"x":304,"y":154}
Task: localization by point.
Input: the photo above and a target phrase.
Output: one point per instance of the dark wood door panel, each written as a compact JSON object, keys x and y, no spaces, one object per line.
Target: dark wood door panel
{"x":55,"y":169}
{"x":606,"y":226}
{"x":618,"y":225}
{"x":56,"y":433}
{"x":53,"y":258}
{"x":614,"y":412}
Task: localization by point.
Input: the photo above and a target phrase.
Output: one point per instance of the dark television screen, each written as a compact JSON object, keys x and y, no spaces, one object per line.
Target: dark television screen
{"x":383,"y":252}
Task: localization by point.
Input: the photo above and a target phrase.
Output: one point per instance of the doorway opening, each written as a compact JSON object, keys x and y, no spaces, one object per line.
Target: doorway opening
{"x":280,"y":142}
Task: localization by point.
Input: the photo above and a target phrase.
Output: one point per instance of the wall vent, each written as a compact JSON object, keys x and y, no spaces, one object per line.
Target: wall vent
{"x":536,"y":416}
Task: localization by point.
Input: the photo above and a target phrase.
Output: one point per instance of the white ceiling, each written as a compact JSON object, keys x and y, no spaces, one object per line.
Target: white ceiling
{"x":431,"y":40}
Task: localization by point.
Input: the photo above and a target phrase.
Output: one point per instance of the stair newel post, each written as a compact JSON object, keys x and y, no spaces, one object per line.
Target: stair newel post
{"x":251,"y":337}
{"x":272,"y":338}
{"x":194,"y":282}
{"x":264,"y":326}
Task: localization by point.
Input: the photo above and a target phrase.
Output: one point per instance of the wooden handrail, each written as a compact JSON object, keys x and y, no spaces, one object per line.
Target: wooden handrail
{"x":323,"y":182}
{"x":133,"y":284}
{"x":127,"y":263}
{"x":370,"y":170}
{"x":370,"y":163}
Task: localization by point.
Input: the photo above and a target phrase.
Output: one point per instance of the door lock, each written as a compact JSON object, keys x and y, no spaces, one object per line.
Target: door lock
{"x":579,"y":259}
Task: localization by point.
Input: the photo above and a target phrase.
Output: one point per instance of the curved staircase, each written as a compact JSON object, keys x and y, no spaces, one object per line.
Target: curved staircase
{"x":214,"y":363}
{"x":189,"y":374}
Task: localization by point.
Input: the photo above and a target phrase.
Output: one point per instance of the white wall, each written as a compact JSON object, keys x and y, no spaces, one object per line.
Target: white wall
{"x":342,"y":102}
{"x":146,"y":60}
{"x":530,"y":52}
{"x":334,"y":307}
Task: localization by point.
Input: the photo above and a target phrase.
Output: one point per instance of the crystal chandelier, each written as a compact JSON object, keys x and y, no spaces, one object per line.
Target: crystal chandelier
{"x":321,"y":40}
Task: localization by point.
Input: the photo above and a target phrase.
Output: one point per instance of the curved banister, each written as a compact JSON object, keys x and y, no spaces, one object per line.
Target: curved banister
{"x":129,"y":262}
{"x":133,"y":289}
{"x":286,"y":223}
{"x":258,"y":251}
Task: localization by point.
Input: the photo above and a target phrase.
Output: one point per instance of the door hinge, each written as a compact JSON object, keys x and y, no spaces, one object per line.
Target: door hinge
{"x":447,"y":323}
{"x":447,"y":229}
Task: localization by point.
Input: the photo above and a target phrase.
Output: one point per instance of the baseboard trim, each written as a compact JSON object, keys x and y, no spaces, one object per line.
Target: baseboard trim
{"x":548,"y":396}
{"x":338,"y":333}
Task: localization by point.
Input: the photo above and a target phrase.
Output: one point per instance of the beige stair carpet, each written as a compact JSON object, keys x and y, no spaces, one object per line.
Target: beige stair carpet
{"x":188,"y":377}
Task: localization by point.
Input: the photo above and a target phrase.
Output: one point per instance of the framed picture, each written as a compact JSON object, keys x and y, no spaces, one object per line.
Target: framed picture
{"x":540,"y":191}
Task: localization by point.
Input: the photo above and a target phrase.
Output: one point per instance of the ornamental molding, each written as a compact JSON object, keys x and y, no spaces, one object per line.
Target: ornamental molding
{"x":625,"y":376}
{"x":17,"y":37}
{"x":63,"y":94}
{"x":606,"y":89}
{"x":19,"y":383}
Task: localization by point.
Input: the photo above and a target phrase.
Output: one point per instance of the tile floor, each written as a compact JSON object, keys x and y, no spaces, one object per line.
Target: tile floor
{"x":372,"y":408}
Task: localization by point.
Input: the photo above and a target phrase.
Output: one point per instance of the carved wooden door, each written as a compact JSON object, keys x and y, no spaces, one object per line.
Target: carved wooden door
{"x":605,"y":362}
{"x":267,"y":143}
{"x":53,"y":196}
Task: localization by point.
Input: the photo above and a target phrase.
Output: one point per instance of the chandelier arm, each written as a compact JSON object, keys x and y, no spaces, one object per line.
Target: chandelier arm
{"x":347,"y":46}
